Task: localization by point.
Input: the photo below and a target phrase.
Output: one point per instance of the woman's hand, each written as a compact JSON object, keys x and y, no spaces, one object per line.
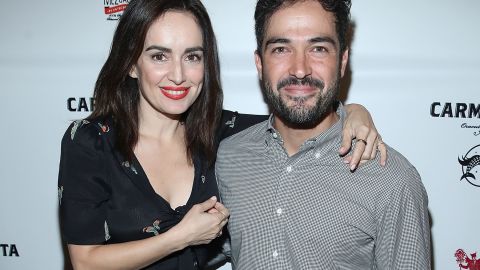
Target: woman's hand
{"x":197,"y":227}
{"x":204,"y":222}
{"x":359,"y":126}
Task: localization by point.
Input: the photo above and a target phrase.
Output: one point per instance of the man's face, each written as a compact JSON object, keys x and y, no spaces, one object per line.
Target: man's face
{"x":300,"y":66}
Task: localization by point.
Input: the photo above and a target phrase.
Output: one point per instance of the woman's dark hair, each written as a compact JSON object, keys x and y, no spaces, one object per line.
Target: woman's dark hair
{"x":117,"y":95}
{"x":340,"y":8}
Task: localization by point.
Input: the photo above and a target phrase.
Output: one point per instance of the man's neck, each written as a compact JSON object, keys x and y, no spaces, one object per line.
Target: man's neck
{"x":293,"y":138}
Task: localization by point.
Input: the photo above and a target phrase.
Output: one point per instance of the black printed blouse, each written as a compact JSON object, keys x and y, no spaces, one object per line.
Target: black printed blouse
{"x":105,"y":199}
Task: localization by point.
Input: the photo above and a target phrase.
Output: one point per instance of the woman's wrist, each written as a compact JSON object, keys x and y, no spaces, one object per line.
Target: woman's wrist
{"x":177,"y":237}
{"x":353,"y":106}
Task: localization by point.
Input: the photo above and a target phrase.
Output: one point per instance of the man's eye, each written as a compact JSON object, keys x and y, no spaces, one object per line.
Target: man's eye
{"x":320,"y":49}
{"x":279,"y":50}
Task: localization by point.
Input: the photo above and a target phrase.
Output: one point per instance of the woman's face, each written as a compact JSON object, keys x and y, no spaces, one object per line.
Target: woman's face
{"x":171,"y":67}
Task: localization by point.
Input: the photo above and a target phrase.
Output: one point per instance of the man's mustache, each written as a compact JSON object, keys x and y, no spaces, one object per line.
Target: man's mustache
{"x":304,"y":81}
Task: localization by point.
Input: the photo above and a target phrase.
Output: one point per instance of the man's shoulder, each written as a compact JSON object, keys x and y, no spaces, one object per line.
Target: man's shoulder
{"x":379,"y":187}
{"x":398,"y":164}
{"x":397,"y":174}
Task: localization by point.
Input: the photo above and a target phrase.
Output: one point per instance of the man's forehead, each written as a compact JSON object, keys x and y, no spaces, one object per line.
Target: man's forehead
{"x":306,"y":19}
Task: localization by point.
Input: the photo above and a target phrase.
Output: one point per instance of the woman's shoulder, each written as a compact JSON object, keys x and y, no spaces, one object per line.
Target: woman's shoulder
{"x":85,"y":132}
{"x":233,"y":122}
{"x":228,"y":115}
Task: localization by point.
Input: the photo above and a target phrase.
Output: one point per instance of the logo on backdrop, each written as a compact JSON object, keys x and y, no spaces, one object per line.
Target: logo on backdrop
{"x":114,"y":8}
{"x":80,"y":104}
{"x":459,"y":111}
{"x":467,"y":262}
{"x":475,"y":128}
{"x":471,"y":166}
{"x":9,"y":250}
{"x":455,"y":110}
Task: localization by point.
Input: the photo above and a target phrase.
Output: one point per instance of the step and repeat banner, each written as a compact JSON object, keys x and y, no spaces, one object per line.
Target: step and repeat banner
{"x":414,"y":64}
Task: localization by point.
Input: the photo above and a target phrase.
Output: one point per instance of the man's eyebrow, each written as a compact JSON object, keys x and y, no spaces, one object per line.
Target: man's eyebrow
{"x":323,"y":39}
{"x":277,"y":40}
{"x":319,"y":39}
{"x":159,"y":48}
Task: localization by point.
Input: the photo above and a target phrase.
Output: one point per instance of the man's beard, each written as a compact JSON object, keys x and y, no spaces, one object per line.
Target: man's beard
{"x":299,"y":115}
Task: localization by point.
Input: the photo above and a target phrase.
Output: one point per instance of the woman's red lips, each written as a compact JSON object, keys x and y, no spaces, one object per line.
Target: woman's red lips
{"x":175,"y":92}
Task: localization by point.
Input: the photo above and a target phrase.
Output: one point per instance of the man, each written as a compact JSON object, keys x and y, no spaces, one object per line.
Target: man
{"x":293,"y":204}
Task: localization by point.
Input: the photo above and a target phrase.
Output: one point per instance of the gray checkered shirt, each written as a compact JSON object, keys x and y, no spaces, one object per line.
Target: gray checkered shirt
{"x":308,"y":211}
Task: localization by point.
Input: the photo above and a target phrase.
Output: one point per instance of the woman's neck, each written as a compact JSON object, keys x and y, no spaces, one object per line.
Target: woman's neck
{"x":156,"y":125}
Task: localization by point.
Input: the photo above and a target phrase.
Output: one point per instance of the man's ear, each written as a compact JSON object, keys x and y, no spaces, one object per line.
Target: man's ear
{"x":258,"y":64}
{"x":133,"y":72}
{"x":344,"y":61}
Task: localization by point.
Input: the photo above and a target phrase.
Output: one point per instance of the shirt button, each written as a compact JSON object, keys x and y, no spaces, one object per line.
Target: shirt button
{"x":279,"y":211}
{"x":274,"y":135}
{"x":289,"y":168}
{"x":275,"y":254}
{"x":317,"y":155}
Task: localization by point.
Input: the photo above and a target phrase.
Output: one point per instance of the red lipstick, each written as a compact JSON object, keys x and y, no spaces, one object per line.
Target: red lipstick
{"x":175,"y":92}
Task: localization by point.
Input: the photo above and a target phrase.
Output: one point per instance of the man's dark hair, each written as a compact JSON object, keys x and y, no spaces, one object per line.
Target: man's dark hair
{"x":265,"y":9}
{"x":117,"y":95}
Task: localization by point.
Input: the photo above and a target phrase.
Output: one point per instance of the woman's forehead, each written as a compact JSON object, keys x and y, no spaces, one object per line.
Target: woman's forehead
{"x":175,"y":28}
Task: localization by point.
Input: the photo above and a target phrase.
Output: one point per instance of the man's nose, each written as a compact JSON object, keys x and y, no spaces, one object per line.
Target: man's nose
{"x":300,"y":67}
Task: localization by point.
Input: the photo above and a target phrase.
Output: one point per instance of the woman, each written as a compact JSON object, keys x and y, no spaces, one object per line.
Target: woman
{"x":136,"y":182}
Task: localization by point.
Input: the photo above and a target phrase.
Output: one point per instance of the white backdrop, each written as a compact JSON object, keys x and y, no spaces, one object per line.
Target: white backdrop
{"x":406,"y":56}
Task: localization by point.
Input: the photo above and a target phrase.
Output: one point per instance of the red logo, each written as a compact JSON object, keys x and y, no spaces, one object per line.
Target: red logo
{"x":114,"y":8}
{"x":465,"y":262}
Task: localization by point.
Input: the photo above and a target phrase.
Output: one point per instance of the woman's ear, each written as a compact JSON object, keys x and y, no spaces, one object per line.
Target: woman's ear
{"x":133,"y":72}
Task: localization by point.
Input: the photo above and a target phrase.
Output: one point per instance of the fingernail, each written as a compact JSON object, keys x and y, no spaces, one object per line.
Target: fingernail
{"x":352,"y":167}
{"x":346,"y":161}
{"x":213,"y":198}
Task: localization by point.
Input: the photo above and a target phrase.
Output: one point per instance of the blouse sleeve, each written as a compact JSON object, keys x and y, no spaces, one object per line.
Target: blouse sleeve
{"x":234,"y":122}
{"x":82,"y":188}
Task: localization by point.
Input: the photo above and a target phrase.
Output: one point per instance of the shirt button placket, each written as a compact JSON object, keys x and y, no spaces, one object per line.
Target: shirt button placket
{"x":279,"y":213}
{"x":279,"y":210}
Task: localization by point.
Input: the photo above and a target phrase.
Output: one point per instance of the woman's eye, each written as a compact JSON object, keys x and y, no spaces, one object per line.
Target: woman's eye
{"x":194,"y":57}
{"x":159,"y":57}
